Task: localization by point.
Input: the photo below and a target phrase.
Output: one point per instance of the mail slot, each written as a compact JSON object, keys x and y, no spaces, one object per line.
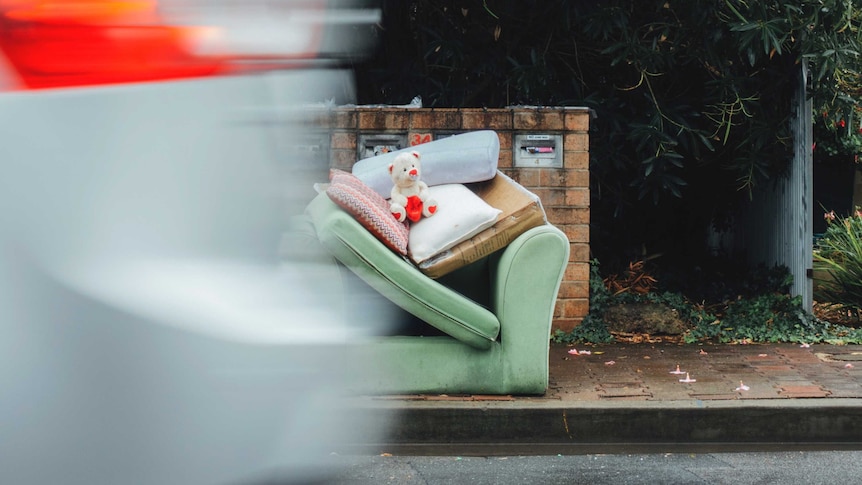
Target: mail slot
{"x":539,"y":150}
{"x":371,"y":145}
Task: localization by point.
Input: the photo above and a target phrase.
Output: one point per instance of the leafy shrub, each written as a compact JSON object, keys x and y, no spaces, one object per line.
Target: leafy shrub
{"x":835,"y":137}
{"x":592,"y":328}
{"x":762,"y":311}
{"x":771,"y":317}
{"x":839,"y":255}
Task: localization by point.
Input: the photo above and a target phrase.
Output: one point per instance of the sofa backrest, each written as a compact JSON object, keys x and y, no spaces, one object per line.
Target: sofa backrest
{"x":399,"y":280}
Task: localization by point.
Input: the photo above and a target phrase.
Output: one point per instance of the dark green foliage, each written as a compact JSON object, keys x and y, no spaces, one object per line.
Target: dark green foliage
{"x":592,"y":328}
{"x":838,"y":135}
{"x":769,"y":317}
{"x":761,"y":311}
{"x":693,"y":98}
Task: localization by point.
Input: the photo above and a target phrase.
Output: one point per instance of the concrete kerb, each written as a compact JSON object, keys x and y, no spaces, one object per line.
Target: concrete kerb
{"x":541,"y":427}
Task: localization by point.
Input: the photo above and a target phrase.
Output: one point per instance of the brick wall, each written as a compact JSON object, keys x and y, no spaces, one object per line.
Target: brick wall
{"x":564,"y":191}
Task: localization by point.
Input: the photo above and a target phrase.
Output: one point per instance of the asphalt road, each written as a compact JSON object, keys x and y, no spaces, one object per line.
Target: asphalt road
{"x":795,"y":467}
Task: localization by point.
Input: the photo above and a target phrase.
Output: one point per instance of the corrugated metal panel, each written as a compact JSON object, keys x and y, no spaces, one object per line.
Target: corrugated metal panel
{"x":777,"y":227}
{"x":802,"y":252}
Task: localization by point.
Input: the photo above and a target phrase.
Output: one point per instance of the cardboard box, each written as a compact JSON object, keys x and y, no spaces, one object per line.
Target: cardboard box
{"x":521,"y":210}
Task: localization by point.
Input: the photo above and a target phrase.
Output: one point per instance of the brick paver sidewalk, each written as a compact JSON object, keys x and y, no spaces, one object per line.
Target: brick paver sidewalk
{"x":721,"y":371}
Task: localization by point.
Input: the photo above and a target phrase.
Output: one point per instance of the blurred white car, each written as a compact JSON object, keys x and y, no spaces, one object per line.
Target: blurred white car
{"x":148,"y":332}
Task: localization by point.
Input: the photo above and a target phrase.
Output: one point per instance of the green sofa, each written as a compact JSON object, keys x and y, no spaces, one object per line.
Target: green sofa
{"x":483,"y":329}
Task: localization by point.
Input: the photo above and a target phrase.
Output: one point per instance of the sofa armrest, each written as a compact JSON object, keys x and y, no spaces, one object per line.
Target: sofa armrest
{"x":526,"y":280}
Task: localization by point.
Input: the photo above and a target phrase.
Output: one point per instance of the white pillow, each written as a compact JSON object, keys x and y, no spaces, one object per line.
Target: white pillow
{"x":461,"y":214}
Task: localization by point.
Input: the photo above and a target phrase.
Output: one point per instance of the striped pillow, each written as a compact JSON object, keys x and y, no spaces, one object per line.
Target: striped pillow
{"x":369,"y":208}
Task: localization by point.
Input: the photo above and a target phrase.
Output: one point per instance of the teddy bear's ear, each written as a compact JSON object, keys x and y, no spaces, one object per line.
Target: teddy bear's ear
{"x":415,"y":154}
{"x":391,"y":166}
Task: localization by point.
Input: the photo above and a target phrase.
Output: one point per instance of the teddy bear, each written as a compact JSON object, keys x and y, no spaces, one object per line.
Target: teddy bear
{"x":410,"y":198}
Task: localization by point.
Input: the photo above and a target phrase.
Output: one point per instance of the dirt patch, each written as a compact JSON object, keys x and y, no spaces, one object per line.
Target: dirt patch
{"x":644,"y":318}
{"x":833,"y":314}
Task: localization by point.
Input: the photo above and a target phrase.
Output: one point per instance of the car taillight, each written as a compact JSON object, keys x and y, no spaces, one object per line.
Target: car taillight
{"x":62,"y":43}
{"x":73,"y":43}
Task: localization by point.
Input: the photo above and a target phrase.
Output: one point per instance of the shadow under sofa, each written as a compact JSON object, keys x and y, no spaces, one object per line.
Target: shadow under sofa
{"x":492,"y":317}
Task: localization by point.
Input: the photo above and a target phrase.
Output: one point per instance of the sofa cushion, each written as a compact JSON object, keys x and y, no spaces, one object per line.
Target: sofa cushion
{"x":461,"y":214}
{"x":369,"y":208}
{"x":459,"y":159}
{"x":521,"y":210}
{"x":400,"y":281}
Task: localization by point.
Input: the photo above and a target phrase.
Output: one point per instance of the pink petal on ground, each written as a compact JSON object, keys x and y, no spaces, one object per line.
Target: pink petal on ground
{"x":610,"y":362}
{"x":763,"y":355}
{"x":804,"y":345}
{"x":584,"y":352}
{"x":573,"y":351}
{"x":848,"y":366}
{"x":702,"y":352}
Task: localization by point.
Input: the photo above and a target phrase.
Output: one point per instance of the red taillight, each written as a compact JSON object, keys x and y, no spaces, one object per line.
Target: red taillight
{"x":61,"y":43}
{"x":73,"y":43}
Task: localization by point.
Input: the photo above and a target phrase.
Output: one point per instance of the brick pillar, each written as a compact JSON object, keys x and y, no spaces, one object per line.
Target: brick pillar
{"x":565,"y":194}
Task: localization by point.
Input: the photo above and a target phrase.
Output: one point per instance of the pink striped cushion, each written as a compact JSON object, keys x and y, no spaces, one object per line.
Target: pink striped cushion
{"x":369,"y":208}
